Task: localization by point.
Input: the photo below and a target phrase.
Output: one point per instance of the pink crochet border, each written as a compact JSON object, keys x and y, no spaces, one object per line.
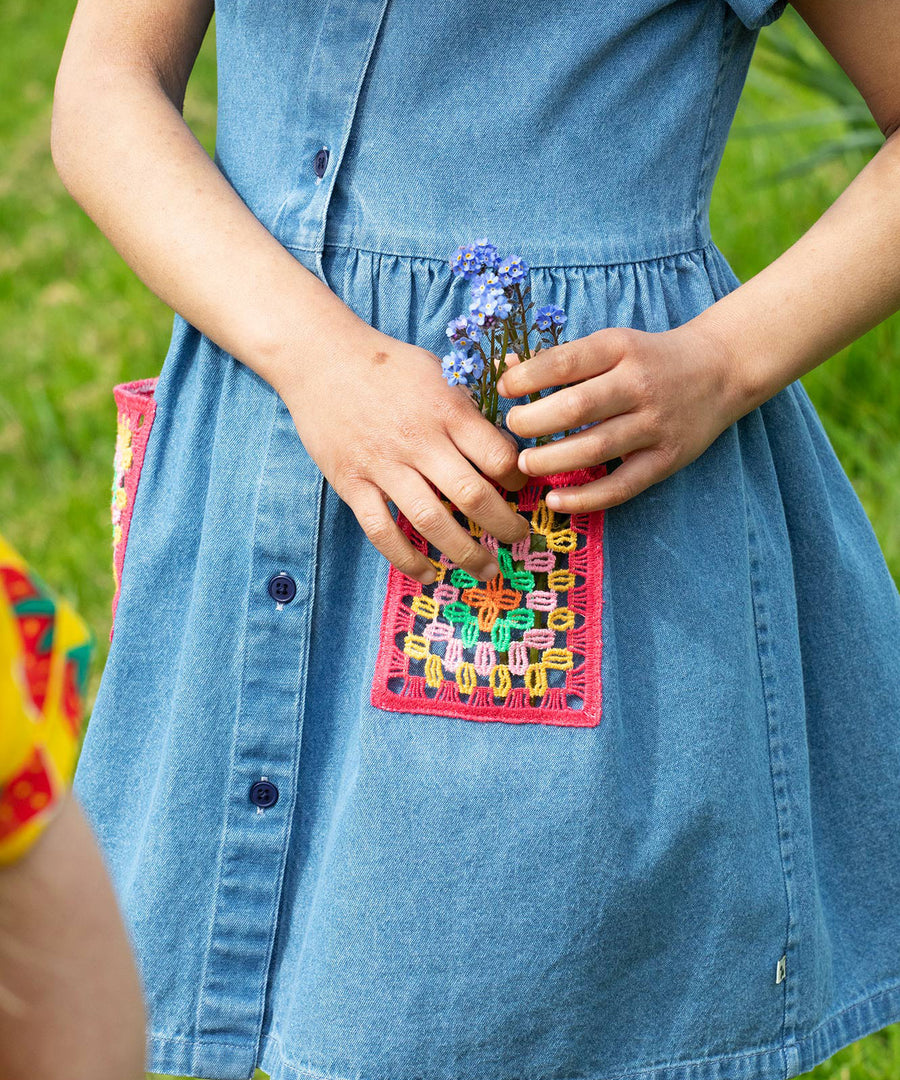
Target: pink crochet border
{"x":587,"y":598}
{"x":136,"y":404}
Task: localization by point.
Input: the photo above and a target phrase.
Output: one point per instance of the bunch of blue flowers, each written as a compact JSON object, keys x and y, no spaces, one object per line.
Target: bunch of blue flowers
{"x":496,"y":324}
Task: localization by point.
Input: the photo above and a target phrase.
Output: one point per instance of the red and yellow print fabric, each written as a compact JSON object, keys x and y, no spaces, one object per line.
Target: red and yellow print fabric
{"x":45,"y":654}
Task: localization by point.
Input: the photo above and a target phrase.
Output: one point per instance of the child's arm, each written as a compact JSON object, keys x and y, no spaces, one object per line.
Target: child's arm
{"x":375,"y":413}
{"x":665,"y":397}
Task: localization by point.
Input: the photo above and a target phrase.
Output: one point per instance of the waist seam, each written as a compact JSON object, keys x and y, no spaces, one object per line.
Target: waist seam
{"x":662,"y":257}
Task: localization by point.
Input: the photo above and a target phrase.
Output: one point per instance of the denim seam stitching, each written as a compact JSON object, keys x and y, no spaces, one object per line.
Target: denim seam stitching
{"x":697,"y":249}
{"x":725,"y":48}
{"x":776,"y":766}
{"x":161,"y":1036}
{"x":866,"y":999}
{"x":630,"y":1075}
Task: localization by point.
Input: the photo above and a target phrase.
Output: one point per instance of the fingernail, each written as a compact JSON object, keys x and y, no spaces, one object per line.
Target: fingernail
{"x":427,"y":577}
{"x":489,"y":574}
{"x":553,"y":500}
{"x":523,"y":461}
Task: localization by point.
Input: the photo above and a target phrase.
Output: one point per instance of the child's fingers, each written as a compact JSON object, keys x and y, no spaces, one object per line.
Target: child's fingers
{"x":494,"y":451}
{"x":568,"y":362}
{"x":377,"y":522}
{"x":637,"y":472}
{"x":511,"y":360}
{"x":427,"y":514}
{"x":570,"y":407}
{"x":612,"y":438}
{"x":474,"y":494}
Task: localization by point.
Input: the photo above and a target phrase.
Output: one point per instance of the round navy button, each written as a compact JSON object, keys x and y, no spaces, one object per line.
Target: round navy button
{"x":264,"y":793}
{"x":282,"y":588}
{"x":320,"y":161}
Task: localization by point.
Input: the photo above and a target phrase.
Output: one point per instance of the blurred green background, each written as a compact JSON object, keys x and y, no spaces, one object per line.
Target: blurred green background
{"x":75,"y":320}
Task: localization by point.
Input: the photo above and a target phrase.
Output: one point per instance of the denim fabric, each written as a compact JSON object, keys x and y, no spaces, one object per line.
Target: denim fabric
{"x":703,"y":886}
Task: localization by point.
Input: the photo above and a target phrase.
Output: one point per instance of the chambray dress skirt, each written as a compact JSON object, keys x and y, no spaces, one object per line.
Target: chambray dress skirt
{"x":665,"y":893}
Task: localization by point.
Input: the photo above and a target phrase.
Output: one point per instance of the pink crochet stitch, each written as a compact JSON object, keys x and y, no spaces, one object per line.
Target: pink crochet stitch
{"x":136,"y":408}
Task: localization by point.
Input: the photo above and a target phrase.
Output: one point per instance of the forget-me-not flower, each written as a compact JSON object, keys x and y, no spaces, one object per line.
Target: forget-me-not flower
{"x":454,"y":369}
{"x":487,"y":253}
{"x":548,"y":316}
{"x":512,"y":271}
{"x":472,"y":364}
{"x":489,"y":302}
{"x":463,"y":331}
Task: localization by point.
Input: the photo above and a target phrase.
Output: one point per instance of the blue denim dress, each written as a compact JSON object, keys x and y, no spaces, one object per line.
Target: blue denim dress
{"x":696,"y":879}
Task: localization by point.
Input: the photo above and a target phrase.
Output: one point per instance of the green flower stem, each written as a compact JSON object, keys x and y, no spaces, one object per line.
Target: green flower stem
{"x":482,"y":382}
{"x":526,"y":355}
{"x":489,"y":379}
{"x":495,"y":376}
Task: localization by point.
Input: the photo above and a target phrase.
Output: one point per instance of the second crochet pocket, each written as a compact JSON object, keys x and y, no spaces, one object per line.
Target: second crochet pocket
{"x":135,"y":410}
{"x":524,"y":647}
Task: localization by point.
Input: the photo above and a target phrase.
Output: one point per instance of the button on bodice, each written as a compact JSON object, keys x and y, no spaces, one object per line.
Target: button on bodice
{"x":320,"y":162}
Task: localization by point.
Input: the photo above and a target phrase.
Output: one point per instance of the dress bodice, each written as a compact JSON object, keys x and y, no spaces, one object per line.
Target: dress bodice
{"x":583,"y":133}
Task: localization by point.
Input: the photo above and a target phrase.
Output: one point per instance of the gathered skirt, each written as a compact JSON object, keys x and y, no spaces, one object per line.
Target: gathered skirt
{"x":701,"y":883}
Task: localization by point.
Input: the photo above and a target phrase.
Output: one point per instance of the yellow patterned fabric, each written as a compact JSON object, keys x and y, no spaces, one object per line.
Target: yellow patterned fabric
{"x":45,"y":654}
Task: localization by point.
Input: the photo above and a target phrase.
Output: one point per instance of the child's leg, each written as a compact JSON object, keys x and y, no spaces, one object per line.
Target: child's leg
{"x":71,"y":1002}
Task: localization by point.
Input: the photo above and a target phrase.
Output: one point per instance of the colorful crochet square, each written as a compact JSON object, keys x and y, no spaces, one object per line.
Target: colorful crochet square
{"x":522,"y":648}
{"x":136,"y":407}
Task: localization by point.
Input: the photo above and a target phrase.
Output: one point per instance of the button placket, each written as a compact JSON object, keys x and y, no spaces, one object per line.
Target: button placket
{"x":267,"y":731}
{"x":348,"y":32}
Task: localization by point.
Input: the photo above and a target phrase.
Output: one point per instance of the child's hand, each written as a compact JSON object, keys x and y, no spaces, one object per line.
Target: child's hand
{"x":378,"y":417}
{"x":662,"y":399}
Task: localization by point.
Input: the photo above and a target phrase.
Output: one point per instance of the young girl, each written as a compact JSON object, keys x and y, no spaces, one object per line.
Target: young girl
{"x":684,"y":863}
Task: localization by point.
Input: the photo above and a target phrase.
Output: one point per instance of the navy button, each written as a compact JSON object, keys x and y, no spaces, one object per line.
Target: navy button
{"x":282,"y":588}
{"x":264,"y":793}
{"x":320,"y":162}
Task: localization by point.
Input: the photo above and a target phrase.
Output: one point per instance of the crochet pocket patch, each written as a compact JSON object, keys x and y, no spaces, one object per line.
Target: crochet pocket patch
{"x":136,"y":407}
{"x":523,"y":648}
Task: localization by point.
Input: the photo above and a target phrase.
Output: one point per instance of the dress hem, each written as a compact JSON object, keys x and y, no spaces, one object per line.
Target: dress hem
{"x":173,"y":1055}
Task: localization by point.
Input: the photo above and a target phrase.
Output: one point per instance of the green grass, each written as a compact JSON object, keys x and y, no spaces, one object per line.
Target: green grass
{"x":75,"y":320}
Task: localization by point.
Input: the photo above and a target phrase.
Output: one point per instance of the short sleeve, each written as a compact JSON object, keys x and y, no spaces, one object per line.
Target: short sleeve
{"x":45,"y":653}
{"x":756,"y":13}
